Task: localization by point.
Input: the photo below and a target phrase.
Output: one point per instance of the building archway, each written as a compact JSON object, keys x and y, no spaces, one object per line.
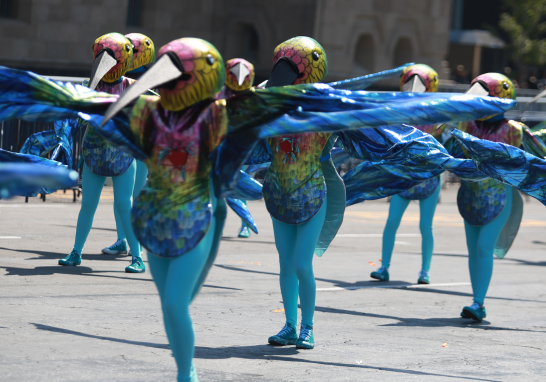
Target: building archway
{"x":403,"y":52}
{"x":247,"y":42}
{"x":364,"y":55}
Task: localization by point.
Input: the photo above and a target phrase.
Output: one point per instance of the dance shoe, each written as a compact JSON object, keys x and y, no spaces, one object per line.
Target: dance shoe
{"x":137,"y":266}
{"x":423,"y":278}
{"x":244,"y":232}
{"x":306,"y":339}
{"x":381,"y":274}
{"x":287,"y":336}
{"x":118,"y":248}
{"x":475,"y":311}
{"x":73,"y":259}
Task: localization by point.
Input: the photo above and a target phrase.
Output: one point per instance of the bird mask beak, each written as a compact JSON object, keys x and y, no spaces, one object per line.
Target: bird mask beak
{"x":415,"y":85}
{"x":102,"y":64}
{"x":240,"y":72}
{"x":479,"y":89}
{"x":168,"y":68}
{"x":285,"y":72}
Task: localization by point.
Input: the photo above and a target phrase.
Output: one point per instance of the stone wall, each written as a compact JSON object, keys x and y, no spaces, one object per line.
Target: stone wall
{"x":360,"y":36}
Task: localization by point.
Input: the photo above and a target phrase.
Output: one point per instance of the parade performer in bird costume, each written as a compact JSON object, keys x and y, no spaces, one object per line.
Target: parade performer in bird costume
{"x":239,"y":77}
{"x":194,"y":146}
{"x":491,"y":210}
{"x":143,"y":57}
{"x":415,"y":78}
{"x":113,"y":55}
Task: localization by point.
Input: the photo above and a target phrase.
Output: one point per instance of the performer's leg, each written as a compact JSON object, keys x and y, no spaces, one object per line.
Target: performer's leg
{"x":123,"y":199}
{"x":397,"y":207}
{"x":308,"y":234}
{"x":159,"y":268}
{"x":481,"y":264}
{"x":140,"y":179}
{"x":396,"y":210}
{"x":285,"y":241}
{"x":427,"y":208}
{"x":91,"y":190}
{"x":177,"y":285}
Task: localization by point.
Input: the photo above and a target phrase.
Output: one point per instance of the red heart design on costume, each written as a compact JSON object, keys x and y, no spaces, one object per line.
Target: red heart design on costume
{"x":178,"y":158}
{"x":286,"y":146}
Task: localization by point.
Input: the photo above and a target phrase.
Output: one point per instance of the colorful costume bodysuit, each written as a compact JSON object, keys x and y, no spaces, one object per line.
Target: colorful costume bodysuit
{"x":113,"y":54}
{"x":415,"y":78}
{"x":239,"y":77}
{"x":491,"y":210}
{"x":143,"y":55}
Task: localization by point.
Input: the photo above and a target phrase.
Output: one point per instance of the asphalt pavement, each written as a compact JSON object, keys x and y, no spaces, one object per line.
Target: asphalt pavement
{"x":97,"y":323}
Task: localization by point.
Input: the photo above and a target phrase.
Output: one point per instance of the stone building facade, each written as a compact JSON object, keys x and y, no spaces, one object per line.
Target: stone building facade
{"x":54,"y":37}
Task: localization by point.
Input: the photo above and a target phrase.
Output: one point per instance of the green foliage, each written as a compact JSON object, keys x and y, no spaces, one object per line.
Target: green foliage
{"x":525,"y":24}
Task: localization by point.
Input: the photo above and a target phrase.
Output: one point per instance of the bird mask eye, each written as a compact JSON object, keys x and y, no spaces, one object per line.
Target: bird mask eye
{"x":148,"y":43}
{"x":128,"y":48}
{"x":315,"y":56}
{"x":210,"y":59}
{"x":505,"y":85}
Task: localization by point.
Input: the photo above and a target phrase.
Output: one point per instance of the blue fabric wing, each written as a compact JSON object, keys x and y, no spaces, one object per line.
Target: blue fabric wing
{"x":507,"y":164}
{"x":29,"y":178}
{"x":362,"y":83}
{"x":247,"y":188}
{"x":401,"y":158}
{"x":242,"y":211}
{"x":55,"y":175}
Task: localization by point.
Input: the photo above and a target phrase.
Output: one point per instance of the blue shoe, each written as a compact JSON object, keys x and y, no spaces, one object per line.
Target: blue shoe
{"x":73,"y":259}
{"x":306,"y":339}
{"x":118,"y":248}
{"x":475,"y":311}
{"x":137,"y":266}
{"x":381,"y":274}
{"x":287,"y":336}
{"x":423,"y":278}
{"x":244,"y":232}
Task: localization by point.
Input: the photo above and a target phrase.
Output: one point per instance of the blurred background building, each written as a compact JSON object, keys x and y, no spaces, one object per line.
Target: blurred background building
{"x":459,"y":38}
{"x":54,"y":37}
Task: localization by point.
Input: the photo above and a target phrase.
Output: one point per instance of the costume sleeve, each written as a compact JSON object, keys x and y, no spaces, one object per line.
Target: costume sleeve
{"x":507,"y":164}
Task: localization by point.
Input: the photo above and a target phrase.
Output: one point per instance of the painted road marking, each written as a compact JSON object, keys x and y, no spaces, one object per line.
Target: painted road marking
{"x":9,"y":237}
{"x":412,"y":286}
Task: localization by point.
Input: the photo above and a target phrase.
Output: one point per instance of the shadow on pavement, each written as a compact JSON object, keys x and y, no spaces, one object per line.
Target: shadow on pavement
{"x":44,"y":255}
{"x":260,"y":352}
{"x":456,"y":322}
{"x":75,"y":333}
{"x":336,"y":283}
{"x":273,"y":353}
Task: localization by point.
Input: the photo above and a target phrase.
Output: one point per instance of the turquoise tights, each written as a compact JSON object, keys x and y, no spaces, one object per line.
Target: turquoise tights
{"x":176,"y":279}
{"x":140,"y":179}
{"x":396,"y":211}
{"x":481,"y":244}
{"x":296,"y":247}
{"x":123,"y":191}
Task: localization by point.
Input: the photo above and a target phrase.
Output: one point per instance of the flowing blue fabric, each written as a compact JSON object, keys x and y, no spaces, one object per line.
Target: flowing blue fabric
{"x":507,"y":164}
{"x":397,"y":158}
{"x":20,"y":178}
{"x":241,"y":209}
{"x":253,"y":115}
{"x":8,"y":157}
{"x":58,"y":141}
